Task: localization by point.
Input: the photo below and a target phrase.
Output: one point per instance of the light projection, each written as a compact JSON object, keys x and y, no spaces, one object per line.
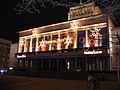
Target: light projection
{"x":33,"y":44}
{"x":62,"y":43}
{"x":94,"y":37}
{"x":42,"y":46}
{"x":68,"y":41}
{"x":21,"y":45}
{"x":35,"y":32}
{"x":48,"y":43}
{"x":54,"y":42}
{"x":74,"y":25}
{"x":28,"y":45}
{"x":74,"y":37}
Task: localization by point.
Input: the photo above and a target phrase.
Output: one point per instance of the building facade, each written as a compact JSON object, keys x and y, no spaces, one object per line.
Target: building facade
{"x":4,"y":53}
{"x":83,"y":43}
{"x":13,"y":60}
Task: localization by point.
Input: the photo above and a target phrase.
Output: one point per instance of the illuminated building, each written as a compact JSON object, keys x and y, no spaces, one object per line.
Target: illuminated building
{"x":81,"y":43}
{"x":13,"y":59}
{"x":4,"y":52}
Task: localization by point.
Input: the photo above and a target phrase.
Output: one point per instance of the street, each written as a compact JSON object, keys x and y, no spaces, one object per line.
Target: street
{"x":9,"y":82}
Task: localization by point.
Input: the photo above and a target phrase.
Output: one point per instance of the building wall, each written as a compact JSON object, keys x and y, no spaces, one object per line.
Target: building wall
{"x":116,"y":49}
{"x":56,"y":38}
{"x":13,"y":50}
{"x":89,"y":38}
{"x":4,"y":52}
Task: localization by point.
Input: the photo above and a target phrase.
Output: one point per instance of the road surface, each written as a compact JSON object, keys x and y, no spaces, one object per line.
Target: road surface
{"x":9,"y":82}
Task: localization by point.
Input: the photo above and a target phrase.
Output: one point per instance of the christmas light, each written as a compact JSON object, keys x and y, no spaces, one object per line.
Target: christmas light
{"x":74,"y":25}
{"x":68,"y":41}
{"x":34,"y":32}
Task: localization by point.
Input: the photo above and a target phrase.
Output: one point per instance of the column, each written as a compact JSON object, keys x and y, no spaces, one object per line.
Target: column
{"x":57,"y":63}
{"x":18,"y":63}
{"x":25,"y":45}
{"x":42,"y":64}
{"x":61,"y":64}
{"x":87,"y":65}
{"x":87,"y":45}
{"x":36,"y":44}
{"x":49,"y":64}
{"x":50,"y":47}
{"x":30,"y":44}
{"x":75,"y":44}
{"x":58,"y":42}
{"x":75,"y":64}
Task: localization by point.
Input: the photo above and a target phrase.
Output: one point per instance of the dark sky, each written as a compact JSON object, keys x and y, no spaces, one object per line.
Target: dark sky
{"x":11,"y":23}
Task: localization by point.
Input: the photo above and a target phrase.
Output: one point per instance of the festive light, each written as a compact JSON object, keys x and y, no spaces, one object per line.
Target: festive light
{"x":22,"y":41}
{"x":42,"y":43}
{"x":35,"y":32}
{"x":68,"y":40}
{"x":93,"y":52}
{"x":74,"y":25}
{"x":21,"y":56}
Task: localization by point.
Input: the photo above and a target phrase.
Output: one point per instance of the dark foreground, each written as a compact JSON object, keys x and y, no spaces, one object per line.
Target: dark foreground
{"x":9,"y":82}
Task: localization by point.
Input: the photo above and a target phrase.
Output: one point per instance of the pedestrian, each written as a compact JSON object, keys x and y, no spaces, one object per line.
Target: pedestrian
{"x":97,"y":84}
{"x":89,"y":80}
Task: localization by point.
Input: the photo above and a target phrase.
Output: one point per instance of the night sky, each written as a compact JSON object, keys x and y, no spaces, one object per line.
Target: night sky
{"x":11,"y":22}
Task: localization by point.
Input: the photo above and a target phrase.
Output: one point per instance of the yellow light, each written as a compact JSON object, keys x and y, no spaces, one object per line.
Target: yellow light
{"x":68,"y":65}
{"x":93,"y":52}
{"x":74,"y":25}
{"x":35,"y":32}
{"x":68,"y":40}
{"x":21,"y":56}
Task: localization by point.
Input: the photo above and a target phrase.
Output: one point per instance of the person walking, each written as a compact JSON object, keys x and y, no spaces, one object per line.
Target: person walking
{"x":94,"y":83}
{"x":89,"y":82}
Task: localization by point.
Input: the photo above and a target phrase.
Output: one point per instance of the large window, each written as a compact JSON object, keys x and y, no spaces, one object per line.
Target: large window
{"x":94,"y":37}
{"x":65,"y":39}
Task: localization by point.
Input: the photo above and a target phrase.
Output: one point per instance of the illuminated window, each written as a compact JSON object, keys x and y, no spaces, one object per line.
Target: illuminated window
{"x":21,"y":45}
{"x":28,"y":45}
{"x":33,"y":44}
{"x":54,"y":41}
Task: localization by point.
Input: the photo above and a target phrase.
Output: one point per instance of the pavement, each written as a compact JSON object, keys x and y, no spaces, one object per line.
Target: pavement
{"x":10,"y":82}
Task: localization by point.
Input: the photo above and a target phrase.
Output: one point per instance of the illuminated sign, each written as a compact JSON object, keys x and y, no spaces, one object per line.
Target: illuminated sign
{"x":93,"y":52}
{"x":21,"y":56}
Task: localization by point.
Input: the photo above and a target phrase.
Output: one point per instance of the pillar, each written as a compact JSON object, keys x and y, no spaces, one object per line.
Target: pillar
{"x":49,"y":64}
{"x":75,"y":64}
{"x":57,"y":63}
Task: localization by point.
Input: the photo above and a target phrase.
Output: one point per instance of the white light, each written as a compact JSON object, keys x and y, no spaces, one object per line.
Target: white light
{"x":74,"y":25}
{"x":35,"y":32}
{"x":68,"y":65}
{"x":11,"y":68}
{"x":68,"y":40}
{"x":2,"y":71}
{"x":92,"y":52}
{"x":21,"y":56}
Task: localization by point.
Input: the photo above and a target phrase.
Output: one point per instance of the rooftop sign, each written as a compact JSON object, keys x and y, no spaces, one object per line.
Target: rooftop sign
{"x":83,"y":10}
